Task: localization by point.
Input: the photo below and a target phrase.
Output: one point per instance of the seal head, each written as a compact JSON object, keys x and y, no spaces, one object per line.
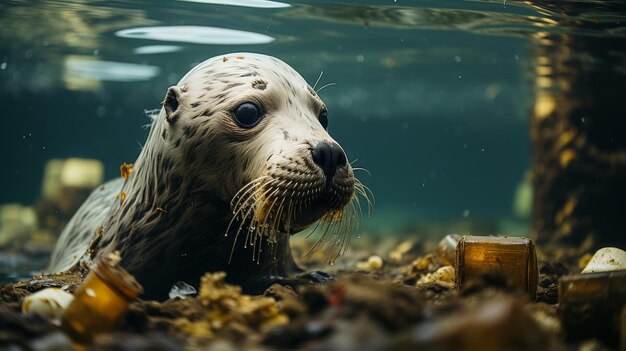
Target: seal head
{"x":238,"y":159}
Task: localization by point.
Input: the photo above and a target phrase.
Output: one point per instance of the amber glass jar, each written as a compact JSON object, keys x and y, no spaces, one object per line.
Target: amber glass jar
{"x":511,"y":258}
{"x":101,"y":300}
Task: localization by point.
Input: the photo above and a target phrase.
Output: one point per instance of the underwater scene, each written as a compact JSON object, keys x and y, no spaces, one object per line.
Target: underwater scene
{"x":315,"y":175}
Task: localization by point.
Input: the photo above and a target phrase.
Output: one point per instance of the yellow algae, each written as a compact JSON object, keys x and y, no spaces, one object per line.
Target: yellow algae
{"x":226,"y":308}
{"x":444,"y":276}
{"x":126,"y":169}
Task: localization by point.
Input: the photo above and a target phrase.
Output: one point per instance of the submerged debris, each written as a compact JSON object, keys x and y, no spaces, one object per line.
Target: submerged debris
{"x":125,"y":170}
{"x":446,"y":249}
{"x":48,"y":303}
{"x":226,"y":308}
{"x":606,"y":259}
{"x":443,"y":276}
{"x":101,"y":300}
{"x":590,"y":305}
{"x":406,"y":304}
{"x":496,"y":323}
{"x":181,"y":290}
{"x":509,"y":258}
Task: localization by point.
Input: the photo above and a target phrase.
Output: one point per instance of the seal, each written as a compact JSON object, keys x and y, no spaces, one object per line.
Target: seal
{"x":236,"y":161}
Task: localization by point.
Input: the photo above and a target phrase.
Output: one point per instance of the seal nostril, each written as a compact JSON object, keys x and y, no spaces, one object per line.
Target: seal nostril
{"x":340,"y":157}
{"x":329,"y":157}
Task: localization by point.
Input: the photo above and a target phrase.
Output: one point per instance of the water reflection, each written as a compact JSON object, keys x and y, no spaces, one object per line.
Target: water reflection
{"x":196,"y":35}
{"x":577,"y":127}
{"x":84,"y":73}
{"x":156,"y":49}
{"x":511,"y":18}
{"x":262,"y":4}
{"x":483,"y":19}
{"x":52,"y":27}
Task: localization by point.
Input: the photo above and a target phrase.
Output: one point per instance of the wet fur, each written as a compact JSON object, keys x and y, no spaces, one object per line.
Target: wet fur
{"x":176,"y":221}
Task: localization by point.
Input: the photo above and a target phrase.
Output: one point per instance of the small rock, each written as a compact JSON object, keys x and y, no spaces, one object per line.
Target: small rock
{"x":48,"y":303}
{"x":373,"y":263}
{"x":605,"y":260}
{"x":423,"y":264}
{"x":444,"y":276}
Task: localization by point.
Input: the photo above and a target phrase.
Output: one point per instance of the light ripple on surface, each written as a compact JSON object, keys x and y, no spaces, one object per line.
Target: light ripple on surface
{"x":260,"y":4}
{"x":196,"y":35}
{"x":156,"y":49}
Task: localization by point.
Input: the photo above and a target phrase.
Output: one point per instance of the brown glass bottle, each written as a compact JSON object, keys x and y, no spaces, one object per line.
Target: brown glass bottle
{"x":101,"y":300}
{"x":590,"y":305}
{"x":512,"y":258}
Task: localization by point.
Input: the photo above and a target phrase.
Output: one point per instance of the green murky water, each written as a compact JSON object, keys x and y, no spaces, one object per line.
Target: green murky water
{"x":432,"y":97}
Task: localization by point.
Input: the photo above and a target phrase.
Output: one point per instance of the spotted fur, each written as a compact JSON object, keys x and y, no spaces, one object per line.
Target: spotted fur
{"x":191,"y":187}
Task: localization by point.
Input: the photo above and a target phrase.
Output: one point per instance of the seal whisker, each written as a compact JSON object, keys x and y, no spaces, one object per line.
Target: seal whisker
{"x":253,"y":221}
{"x":356,"y":205}
{"x":364,"y":191}
{"x":327,"y":225}
{"x":259,"y":224}
{"x":243,"y":221}
{"x":244,"y":190}
{"x":279,"y":214}
{"x":324,"y":86}
{"x":318,"y":79}
{"x":240,"y":206}
{"x":361,"y":169}
{"x":248,"y":204}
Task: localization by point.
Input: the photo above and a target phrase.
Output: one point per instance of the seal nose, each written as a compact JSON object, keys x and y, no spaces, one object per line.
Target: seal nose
{"x":330,"y":157}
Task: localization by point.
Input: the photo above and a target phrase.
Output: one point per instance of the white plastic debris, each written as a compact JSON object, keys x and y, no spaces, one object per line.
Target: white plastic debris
{"x":182,"y":290}
{"x":606,"y":259}
{"x":48,"y":303}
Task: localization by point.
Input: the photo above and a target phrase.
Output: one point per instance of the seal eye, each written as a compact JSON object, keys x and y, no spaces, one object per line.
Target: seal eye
{"x":247,"y":115}
{"x":324,"y":119}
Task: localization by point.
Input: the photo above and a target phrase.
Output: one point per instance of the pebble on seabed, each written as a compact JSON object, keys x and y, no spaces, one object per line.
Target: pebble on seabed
{"x":373,"y":263}
{"x":605,"y":260}
{"x":48,"y":303}
{"x":443,"y":276}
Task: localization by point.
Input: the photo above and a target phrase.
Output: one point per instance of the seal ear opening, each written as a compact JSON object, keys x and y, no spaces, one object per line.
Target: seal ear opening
{"x":171,"y":103}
